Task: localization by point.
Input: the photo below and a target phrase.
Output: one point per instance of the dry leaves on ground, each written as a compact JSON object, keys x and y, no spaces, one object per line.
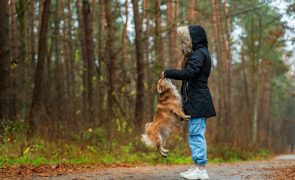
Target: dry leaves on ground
{"x":27,"y":171}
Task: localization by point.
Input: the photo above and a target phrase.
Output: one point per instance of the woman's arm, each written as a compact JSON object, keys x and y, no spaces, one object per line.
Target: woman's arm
{"x":194,"y":64}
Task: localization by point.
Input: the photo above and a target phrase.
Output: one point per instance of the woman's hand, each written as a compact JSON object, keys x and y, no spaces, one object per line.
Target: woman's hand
{"x":163,"y":75}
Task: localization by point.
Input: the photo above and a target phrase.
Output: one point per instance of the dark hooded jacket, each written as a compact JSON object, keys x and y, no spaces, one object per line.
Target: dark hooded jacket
{"x":197,"y":100}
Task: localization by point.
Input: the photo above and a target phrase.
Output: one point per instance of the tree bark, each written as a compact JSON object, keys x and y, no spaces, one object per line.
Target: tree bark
{"x":158,"y":38}
{"x":37,"y":101}
{"x":263,"y":123}
{"x":32,"y":52}
{"x":139,"y":66}
{"x":71,"y":48}
{"x":82,"y":39}
{"x":89,"y":56}
{"x":247,"y":95}
{"x":174,"y":55}
{"x":14,"y":61}
{"x":68,"y":52}
{"x":159,"y":54}
{"x":221,"y":106}
{"x":100,"y":51}
{"x":4,"y":61}
{"x":192,"y":15}
{"x":124,"y":38}
{"x":59,"y":64}
{"x":149,"y":64}
{"x":229,"y":59}
{"x":110,"y":68}
{"x":226,"y":67}
{"x":254,"y":83}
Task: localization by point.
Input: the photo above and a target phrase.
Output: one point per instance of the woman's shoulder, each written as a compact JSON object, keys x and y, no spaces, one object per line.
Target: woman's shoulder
{"x":200,"y":50}
{"x":199,"y":53}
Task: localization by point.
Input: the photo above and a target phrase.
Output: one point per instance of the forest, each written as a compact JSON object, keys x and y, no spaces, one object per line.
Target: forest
{"x":78,"y":78}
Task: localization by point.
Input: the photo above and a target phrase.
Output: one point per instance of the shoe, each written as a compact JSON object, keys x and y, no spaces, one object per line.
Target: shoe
{"x":196,"y":174}
{"x":188,"y":171}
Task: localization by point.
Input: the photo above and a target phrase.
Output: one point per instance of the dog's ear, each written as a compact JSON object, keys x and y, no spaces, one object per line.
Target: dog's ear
{"x":161,"y":87}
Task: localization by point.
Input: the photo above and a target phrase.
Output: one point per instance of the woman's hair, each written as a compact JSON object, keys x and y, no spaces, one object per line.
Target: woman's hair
{"x":183,"y":61}
{"x":186,"y":43}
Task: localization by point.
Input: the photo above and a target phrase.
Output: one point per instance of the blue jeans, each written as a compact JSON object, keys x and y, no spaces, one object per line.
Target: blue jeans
{"x":197,"y":141}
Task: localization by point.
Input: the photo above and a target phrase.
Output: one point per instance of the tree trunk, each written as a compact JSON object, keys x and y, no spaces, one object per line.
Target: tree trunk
{"x":215,"y":15}
{"x":124,"y":39}
{"x":69,"y":52}
{"x":100,"y":51}
{"x":174,"y":55}
{"x":14,"y":61}
{"x":82,"y":39}
{"x":59,"y":65}
{"x":148,"y":61}
{"x":124,"y":63}
{"x":191,"y":16}
{"x":253,"y":83}
{"x":4,"y":61}
{"x":263,"y":123}
{"x":139,"y":66}
{"x":89,"y":55}
{"x":158,"y":48}
{"x":226,"y":68}
{"x":247,"y":96}
{"x":32,"y":37}
{"x":229,"y":59}
{"x":158,"y":38}
{"x":37,"y":101}
{"x":110,"y":68}
{"x":149,"y":64}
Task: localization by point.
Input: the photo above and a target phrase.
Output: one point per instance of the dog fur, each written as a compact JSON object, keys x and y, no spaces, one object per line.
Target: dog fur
{"x":169,"y":110}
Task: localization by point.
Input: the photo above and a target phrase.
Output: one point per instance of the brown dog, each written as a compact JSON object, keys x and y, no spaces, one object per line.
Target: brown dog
{"x":168,"y":111}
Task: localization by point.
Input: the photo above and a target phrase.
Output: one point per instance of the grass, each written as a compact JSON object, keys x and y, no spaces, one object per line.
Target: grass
{"x":89,"y":147}
{"x":72,"y":154}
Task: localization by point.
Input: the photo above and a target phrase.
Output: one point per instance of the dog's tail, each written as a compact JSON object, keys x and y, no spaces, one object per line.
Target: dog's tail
{"x":146,"y":140}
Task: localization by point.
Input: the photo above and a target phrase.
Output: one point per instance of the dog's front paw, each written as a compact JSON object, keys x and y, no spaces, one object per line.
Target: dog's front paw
{"x":186,"y":117}
{"x":181,"y":119}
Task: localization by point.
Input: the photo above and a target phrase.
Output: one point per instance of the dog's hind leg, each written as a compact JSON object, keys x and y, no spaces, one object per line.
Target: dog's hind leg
{"x":163,"y":153}
{"x":163,"y":144}
{"x":164,"y":150}
{"x":160,"y":148}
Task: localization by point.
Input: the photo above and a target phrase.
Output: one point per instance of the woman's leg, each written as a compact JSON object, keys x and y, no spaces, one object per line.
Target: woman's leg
{"x":197,"y":141}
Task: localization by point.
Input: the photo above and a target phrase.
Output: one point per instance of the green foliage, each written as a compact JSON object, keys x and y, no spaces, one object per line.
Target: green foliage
{"x":89,"y":146}
{"x":23,"y":160}
{"x":94,"y":137}
{"x":229,"y":154}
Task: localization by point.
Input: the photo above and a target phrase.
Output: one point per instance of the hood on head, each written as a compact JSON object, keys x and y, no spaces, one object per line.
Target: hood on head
{"x":192,"y":38}
{"x":199,"y":36}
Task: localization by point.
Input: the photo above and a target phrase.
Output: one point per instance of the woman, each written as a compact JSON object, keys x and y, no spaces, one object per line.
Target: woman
{"x":197,"y":100}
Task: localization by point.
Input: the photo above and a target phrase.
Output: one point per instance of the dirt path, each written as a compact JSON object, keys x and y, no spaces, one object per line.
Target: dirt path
{"x":244,"y":170}
{"x":281,"y":167}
